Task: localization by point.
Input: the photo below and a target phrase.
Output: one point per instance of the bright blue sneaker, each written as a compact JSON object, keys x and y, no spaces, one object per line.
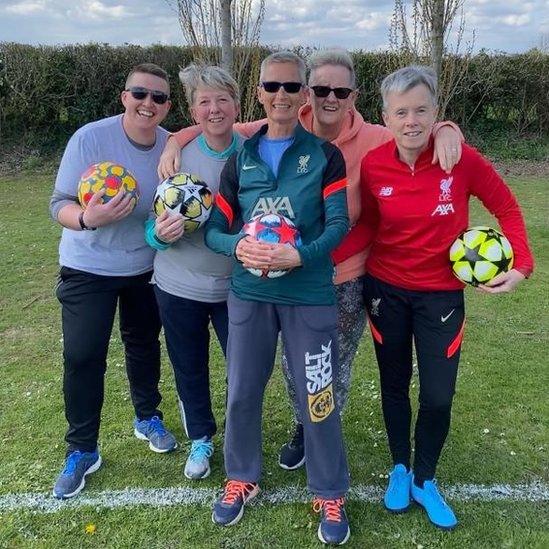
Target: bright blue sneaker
{"x":198,"y":462}
{"x":397,"y":496}
{"x":153,"y":430}
{"x":437,"y":509}
{"x":334,"y":525}
{"x":229,"y":508}
{"x":73,"y":476}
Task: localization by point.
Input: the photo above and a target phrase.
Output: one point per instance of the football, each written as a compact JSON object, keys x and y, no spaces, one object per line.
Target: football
{"x":185,"y":194}
{"x":273,"y":229}
{"x":108,"y":176}
{"x":479,"y":254}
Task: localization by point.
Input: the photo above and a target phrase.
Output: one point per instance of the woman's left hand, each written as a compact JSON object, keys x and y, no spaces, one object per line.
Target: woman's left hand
{"x":503,"y":282}
{"x":447,"y":150}
{"x":284,"y":257}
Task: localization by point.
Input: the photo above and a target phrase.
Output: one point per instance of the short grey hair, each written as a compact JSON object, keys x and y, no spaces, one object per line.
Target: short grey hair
{"x":407,"y":78}
{"x":335,"y":56}
{"x":285,"y":57}
{"x":209,"y":76}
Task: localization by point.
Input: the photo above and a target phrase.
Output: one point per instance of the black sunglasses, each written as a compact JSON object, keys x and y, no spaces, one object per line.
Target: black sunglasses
{"x":324,"y":91}
{"x":289,"y":87}
{"x":140,"y":93}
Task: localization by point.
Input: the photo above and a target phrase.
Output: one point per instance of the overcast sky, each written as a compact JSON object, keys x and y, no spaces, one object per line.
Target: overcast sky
{"x":505,"y":25}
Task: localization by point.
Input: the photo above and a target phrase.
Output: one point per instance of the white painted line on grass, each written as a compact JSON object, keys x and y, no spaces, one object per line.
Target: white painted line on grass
{"x":165,"y":497}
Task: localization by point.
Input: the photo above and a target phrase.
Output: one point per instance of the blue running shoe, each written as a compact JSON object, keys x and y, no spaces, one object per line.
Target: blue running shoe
{"x":198,"y":462}
{"x":397,"y":496}
{"x":153,"y":430}
{"x":334,"y":525}
{"x":438,"y":511}
{"x":229,"y":508}
{"x":73,"y":476}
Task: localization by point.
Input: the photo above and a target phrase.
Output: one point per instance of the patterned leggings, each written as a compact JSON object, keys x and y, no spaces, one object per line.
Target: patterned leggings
{"x":351,"y":313}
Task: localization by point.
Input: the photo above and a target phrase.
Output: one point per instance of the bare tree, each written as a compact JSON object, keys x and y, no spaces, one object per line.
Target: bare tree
{"x":423,"y":36}
{"x":226,"y":33}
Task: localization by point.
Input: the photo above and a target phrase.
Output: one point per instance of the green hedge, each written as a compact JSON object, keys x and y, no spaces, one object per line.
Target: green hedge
{"x":47,"y":92}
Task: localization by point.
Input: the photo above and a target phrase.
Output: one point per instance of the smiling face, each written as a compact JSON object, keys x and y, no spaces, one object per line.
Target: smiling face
{"x":410,"y":117}
{"x":215,"y":110}
{"x":142,"y":116}
{"x":281,"y":107}
{"x":330,"y":112}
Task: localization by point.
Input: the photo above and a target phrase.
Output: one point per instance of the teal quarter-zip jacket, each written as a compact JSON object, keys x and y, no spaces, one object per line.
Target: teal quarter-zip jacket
{"x":310,"y":189}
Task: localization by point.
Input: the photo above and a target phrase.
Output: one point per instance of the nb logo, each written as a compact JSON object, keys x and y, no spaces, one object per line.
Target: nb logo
{"x":386,"y":191}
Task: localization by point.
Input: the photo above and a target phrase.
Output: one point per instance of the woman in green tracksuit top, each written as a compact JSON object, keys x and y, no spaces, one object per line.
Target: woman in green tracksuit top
{"x":283,"y":169}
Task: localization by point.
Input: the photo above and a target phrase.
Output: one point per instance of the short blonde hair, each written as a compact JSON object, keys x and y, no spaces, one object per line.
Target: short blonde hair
{"x":193,"y":76}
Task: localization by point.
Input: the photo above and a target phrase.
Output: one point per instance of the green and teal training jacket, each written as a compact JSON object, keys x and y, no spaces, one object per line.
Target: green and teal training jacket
{"x":310,"y":189}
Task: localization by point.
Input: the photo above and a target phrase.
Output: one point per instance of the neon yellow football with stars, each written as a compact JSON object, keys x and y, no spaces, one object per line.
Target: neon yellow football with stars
{"x":479,"y":254}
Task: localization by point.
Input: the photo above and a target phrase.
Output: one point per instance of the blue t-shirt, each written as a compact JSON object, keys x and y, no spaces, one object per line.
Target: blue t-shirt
{"x":271,"y":150}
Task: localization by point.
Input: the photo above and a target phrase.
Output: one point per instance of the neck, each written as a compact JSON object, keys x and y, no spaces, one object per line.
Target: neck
{"x":410,"y":156}
{"x":276,"y":130}
{"x":219,"y":143}
{"x":329,"y":132}
{"x":141,"y":136}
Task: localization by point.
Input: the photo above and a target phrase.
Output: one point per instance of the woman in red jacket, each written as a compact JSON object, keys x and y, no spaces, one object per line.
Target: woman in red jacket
{"x":412,"y":211}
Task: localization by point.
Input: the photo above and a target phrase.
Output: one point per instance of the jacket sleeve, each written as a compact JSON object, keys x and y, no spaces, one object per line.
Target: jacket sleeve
{"x":246,"y":129}
{"x":150,"y":236}
{"x":222,"y":231}
{"x":363,"y":231}
{"x":336,"y":218}
{"x":185,"y":135}
{"x":498,"y":198}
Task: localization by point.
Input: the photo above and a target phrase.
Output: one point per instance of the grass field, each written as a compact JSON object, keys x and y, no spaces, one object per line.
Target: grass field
{"x":499,"y":432}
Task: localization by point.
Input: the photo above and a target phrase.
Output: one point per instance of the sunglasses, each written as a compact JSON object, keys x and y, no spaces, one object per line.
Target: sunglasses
{"x":289,"y":87}
{"x":324,"y":91}
{"x":140,"y":93}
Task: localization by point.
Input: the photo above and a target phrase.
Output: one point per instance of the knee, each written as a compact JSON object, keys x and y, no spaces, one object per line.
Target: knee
{"x":436,"y":402}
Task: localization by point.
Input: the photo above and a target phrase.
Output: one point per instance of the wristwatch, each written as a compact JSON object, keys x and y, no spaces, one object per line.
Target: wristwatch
{"x":83,"y":226}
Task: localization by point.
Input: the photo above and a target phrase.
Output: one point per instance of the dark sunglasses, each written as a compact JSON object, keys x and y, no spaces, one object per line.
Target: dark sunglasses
{"x":324,"y":91}
{"x":289,"y":87}
{"x":140,"y":93}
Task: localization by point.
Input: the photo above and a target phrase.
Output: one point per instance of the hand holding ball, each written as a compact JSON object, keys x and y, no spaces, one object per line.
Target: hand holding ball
{"x":109,"y":177}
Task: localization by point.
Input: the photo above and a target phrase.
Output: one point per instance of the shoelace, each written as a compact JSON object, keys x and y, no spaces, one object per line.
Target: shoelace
{"x":72,"y":461}
{"x":235,"y":489}
{"x":157,"y":426}
{"x":432,"y":491}
{"x":332,"y":508}
{"x":201,"y":449}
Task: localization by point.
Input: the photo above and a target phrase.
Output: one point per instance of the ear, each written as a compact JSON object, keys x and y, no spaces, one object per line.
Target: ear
{"x":260,"y":94}
{"x":124,"y":97}
{"x":192,"y":111}
{"x":306,"y":94}
{"x":353,"y":96}
{"x":384,"y":116}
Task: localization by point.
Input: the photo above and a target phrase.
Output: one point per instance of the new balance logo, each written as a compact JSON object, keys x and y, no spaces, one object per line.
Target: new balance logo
{"x":246,"y":167}
{"x":278,"y":205}
{"x":386,"y":191}
{"x":443,"y":209}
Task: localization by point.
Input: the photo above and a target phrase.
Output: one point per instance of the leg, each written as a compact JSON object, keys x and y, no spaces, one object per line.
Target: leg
{"x":251,"y":348}
{"x":140,"y":328}
{"x":88,"y":307}
{"x":310,"y":333}
{"x":220,"y":322}
{"x":186,"y":327}
{"x":438,"y":341}
{"x":391,"y":325}
{"x":351,"y":320}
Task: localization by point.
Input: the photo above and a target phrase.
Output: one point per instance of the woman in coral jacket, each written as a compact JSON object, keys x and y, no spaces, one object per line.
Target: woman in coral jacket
{"x":331,"y":114}
{"x":412,"y":211}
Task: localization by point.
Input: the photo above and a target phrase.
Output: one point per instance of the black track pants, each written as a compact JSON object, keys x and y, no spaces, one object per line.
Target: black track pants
{"x":434,"y":322}
{"x":89,"y":304}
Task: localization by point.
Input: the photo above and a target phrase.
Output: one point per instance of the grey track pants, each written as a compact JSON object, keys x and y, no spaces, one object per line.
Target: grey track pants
{"x":310,"y":335}
{"x":351,"y":321}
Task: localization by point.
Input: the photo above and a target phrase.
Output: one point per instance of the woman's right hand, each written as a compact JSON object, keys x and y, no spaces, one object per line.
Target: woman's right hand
{"x":170,"y":160}
{"x":169,"y":228}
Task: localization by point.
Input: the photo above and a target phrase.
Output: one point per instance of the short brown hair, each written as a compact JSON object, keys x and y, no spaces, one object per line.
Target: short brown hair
{"x":149,"y":68}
